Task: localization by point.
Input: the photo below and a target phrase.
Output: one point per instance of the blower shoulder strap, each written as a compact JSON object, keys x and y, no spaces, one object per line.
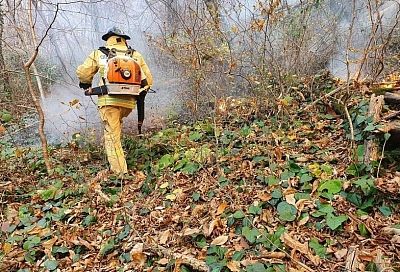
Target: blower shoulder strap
{"x":104,"y":50}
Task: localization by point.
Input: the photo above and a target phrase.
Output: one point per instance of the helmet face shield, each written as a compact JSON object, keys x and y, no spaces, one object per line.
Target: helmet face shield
{"x":115,"y":31}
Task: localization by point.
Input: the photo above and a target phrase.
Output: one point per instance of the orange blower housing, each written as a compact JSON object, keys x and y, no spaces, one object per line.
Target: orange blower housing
{"x":123,"y":70}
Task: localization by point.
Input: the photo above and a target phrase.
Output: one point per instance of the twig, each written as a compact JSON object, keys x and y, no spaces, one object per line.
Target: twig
{"x":381,"y":159}
{"x":392,"y":115}
{"x":346,"y":110}
{"x":319,"y":99}
{"x":351,"y":260}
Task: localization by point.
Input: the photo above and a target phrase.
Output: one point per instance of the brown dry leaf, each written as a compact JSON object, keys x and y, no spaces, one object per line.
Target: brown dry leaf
{"x":340,"y":253}
{"x":2,"y":129}
{"x":391,"y":231}
{"x":219,"y":241}
{"x":302,"y":159}
{"x":265,"y":197}
{"x":278,"y":153}
{"x":221,"y":208}
{"x":233,"y":266}
{"x":290,"y":199}
{"x":163,"y":261}
{"x":164,"y":237}
{"x":315,"y":186}
{"x":214,"y":224}
{"x":189,"y":232}
{"x":5,"y":226}
{"x":138,"y":257}
{"x":73,"y":102}
{"x":48,"y":245}
{"x":302,"y":248}
{"x":7,"y":247}
{"x":247,"y":262}
{"x":83,"y":242}
{"x":395,"y":239}
{"x":303,"y":221}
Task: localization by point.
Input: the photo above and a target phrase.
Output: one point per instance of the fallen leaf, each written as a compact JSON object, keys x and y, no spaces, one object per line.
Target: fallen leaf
{"x":265,"y":197}
{"x":214,"y":224}
{"x":395,"y":239}
{"x":163,"y":261}
{"x":302,"y":248}
{"x":340,"y":253}
{"x":7,"y":247}
{"x":73,"y":102}
{"x":5,"y":226}
{"x":164,"y":185}
{"x":233,"y":266}
{"x":221,"y":208}
{"x":138,"y":257}
{"x":219,"y":241}
{"x":303,"y":221}
{"x":171,"y":197}
{"x":164,"y":237}
{"x":189,"y":232}
{"x":290,"y":199}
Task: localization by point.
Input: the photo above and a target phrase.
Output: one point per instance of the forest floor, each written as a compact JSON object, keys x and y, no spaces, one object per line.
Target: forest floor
{"x":280,"y":192}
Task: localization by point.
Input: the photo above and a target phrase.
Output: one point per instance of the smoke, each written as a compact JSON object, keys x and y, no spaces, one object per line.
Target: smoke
{"x":361,"y":31}
{"x":69,"y":112}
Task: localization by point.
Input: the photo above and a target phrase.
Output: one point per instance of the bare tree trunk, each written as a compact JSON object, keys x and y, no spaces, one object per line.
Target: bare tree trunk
{"x":41,"y":116}
{"x":38,"y":81}
{"x":4,"y":79}
{"x":27,"y":66}
{"x":372,"y":145}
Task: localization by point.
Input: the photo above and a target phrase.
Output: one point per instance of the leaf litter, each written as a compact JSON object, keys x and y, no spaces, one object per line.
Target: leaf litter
{"x":230,"y":194}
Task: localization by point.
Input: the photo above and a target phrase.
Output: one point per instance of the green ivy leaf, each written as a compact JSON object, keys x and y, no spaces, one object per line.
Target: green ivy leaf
{"x":195,"y":136}
{"x":334,"y":222}
{"x":50,"y":264}
{"x":238,"y":255}
{"x":107,"y":247}
{"x":305,"y":178}
{"x":6,"y":117}
{"x":190,"y":168}
{"x":255,"y":210}
{"x":286,"y":211}
{"x":332,"y":187}
{"x":124,"y":232}
{"x":319,"y":249}
{"x":165,"y":161}
{"x":363,"y":230}
{"x":277,"y":193}
{"x":238,"y":214}
{"x":89,"y":220}
{"x":250,"y":234}
{"x":257,"y":267}
{"x":196,"y":196}
{"x":31,"y":242}
{"x":385,"y":210}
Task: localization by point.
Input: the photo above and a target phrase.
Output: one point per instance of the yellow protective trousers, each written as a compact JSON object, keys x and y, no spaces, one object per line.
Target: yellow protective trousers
{"x":112,"y":119}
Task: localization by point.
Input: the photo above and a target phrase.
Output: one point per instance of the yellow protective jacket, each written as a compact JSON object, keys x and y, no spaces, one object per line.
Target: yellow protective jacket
{"x":97,"y":61}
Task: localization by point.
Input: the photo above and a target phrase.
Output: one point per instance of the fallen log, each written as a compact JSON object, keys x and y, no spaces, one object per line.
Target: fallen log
{"x":392,"y":98}
{"x":392,"y":127}
{"x":391,"y":115}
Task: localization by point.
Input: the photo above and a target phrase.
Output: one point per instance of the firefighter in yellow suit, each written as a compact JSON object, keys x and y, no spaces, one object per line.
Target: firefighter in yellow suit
{"x":113,"y":108}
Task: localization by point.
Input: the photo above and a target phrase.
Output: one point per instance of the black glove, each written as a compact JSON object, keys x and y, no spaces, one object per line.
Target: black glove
{"x":85,"y":86}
